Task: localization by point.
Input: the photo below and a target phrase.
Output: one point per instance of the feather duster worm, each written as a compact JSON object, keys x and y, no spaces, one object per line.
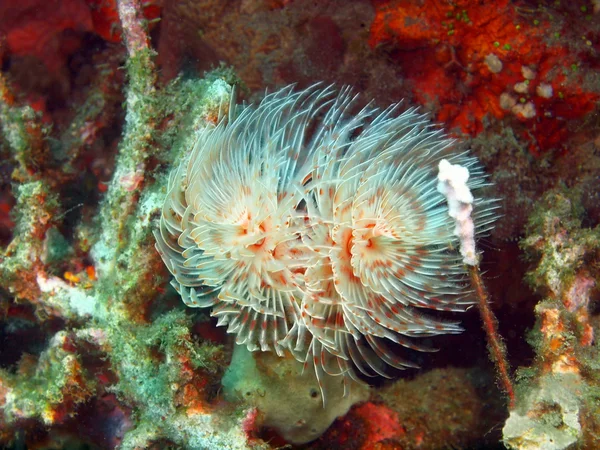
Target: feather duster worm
{"x":315,"y":230}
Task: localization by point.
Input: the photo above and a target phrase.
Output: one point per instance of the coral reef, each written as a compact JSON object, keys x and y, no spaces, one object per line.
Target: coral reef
{"x":557,"y":398}
{"x":501,"y":58}
{"x":99,"y":99}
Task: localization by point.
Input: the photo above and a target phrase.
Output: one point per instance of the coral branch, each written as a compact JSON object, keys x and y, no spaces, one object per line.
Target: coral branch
{"x":557,"y":405}
{"x":103,"y":98}
{"x":452,"y":183}
{"x":37,"y":204}
{"x":141,"y":119}
{"x":136,"y":38}
{"x":49,"y":389}
{"x":490,"y":325}
{"x":24,"y":133}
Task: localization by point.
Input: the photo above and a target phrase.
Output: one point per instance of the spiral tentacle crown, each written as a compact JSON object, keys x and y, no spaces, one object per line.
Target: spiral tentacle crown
{"x":311,"y":229}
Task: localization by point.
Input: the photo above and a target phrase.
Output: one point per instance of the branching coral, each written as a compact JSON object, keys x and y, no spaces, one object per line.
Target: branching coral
{"x":102,"y":347}
{"x":557,"y":398}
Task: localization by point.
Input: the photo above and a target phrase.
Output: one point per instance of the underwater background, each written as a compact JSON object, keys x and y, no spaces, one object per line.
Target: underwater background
{"x":102,"y":100}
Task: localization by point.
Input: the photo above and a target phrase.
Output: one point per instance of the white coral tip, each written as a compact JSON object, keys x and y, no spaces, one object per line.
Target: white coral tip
{"x":452,"y":184}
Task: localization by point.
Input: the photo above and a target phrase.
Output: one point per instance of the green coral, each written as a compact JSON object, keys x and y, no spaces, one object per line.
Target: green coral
{"x":151,"y":353}
{"x":557,"y":239}
{"x":25,"y":136}
{"x":36,"y":210}
{"x":39,"y":390}
{"x":147,"y":359}
{"x":557,"y":398}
